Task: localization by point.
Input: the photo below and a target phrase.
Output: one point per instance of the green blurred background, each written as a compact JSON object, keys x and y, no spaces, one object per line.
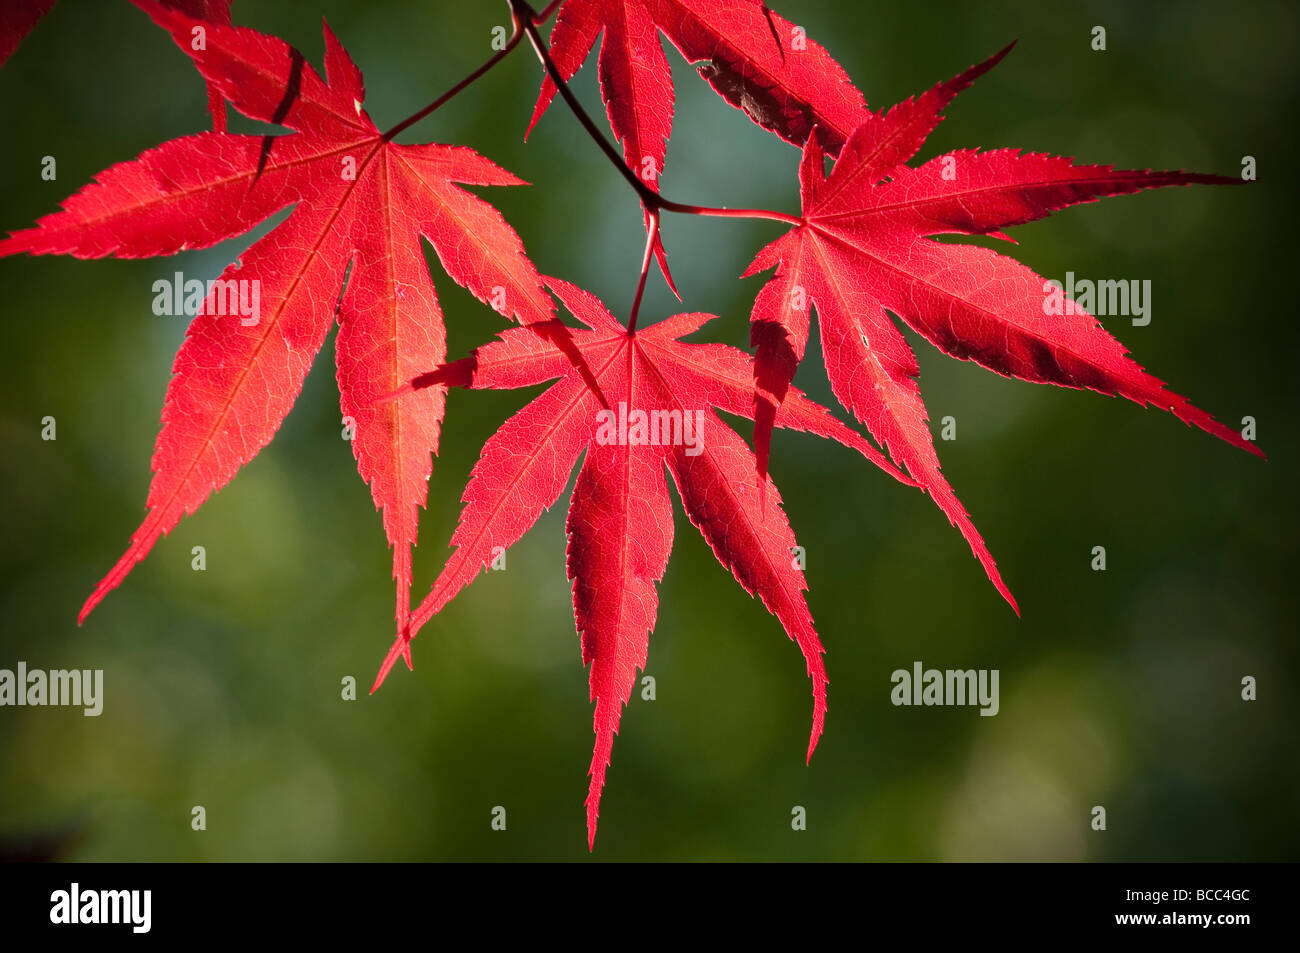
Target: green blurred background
{"x":1119,"y":688}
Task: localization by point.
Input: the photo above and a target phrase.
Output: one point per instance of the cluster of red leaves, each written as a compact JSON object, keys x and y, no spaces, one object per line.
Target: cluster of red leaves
{"x":863,"y":250}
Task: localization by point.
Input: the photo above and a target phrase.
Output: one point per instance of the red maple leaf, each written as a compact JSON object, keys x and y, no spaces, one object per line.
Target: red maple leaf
{"x":754,"y":59}
{"x":865,"y":248}
{"x":18,"y":17}
{"x":637,"y":402}
{"x":359,"y":201}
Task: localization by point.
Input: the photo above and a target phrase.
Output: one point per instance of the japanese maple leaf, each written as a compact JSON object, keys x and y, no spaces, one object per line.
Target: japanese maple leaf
{"x":359,"y":202}
{"x":864,"y":248}
{"x":637,"y":403}
{"x":755,"y":60}
{"x":18,"y":17}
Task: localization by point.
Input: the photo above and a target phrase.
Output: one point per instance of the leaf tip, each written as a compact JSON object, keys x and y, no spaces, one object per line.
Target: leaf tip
{"x":88,"y":606}
{"x":815,"y":736}
{"x":401,"y":647}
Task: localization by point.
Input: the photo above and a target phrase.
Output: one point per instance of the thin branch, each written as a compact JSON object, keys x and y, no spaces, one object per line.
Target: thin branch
{"x":652,"y":232}
{"x":725,"y":212}
{"x":652,"y":200}
{"x":547,"y":13}
{"x":519,"y":13}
